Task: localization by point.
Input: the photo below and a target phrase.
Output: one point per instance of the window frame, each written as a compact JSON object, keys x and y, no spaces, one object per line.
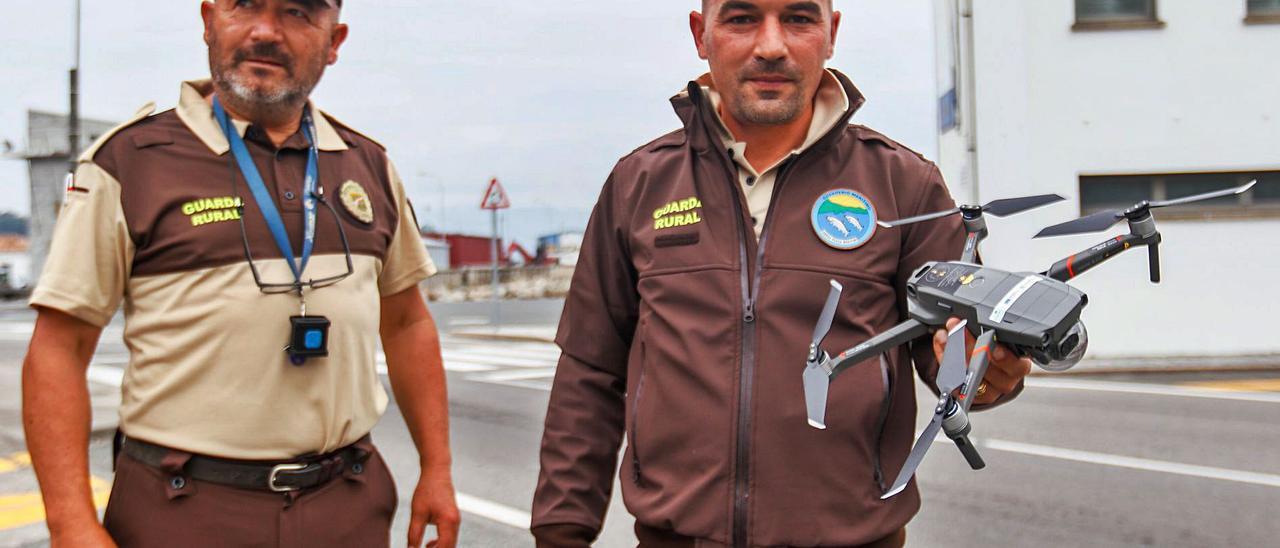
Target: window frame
{"x":1271,"y":17}
{"x":1150,"y":21}
{"x":1157,"y":183}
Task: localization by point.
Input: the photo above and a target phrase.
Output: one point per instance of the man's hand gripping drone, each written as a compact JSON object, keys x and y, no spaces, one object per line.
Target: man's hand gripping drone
{"x":1034,"y":314}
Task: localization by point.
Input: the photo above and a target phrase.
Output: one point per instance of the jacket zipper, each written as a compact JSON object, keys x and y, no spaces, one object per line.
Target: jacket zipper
{"x":635,"y":419}
{"x":750,"y":292}
{"x":880,"y":423}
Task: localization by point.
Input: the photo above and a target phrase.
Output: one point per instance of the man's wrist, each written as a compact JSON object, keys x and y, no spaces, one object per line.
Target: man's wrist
{"x":71,"y":521}
{"x":436,"y":467}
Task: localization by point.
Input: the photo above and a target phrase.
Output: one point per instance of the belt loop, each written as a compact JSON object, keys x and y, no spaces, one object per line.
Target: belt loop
{"x":177,"y":484}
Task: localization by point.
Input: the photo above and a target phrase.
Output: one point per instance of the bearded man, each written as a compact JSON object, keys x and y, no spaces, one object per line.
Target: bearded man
{"x":241,"y":223}
{"x":701,"y":275}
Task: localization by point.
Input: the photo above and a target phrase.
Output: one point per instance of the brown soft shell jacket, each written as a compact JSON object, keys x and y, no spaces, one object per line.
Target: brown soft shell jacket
{"x":690,"y":340}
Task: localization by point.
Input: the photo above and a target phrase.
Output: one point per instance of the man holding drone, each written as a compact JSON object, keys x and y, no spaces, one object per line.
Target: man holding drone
{"x":687,"y":337}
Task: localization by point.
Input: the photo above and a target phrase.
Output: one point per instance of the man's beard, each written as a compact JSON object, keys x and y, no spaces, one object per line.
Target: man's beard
{"x":242,"y":91}
{"x":770,"y":111}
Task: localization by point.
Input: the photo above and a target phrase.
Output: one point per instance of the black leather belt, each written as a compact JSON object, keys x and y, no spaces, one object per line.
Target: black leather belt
{"x":282,"y":477}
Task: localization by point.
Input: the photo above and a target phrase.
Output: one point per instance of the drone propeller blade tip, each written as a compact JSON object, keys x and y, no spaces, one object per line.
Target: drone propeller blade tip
{"x":836,"y":285}
{"x":817,"y":424}
{"x":1247,"y":186}
{"x":883,"y":224}
{"x":890,"y":493}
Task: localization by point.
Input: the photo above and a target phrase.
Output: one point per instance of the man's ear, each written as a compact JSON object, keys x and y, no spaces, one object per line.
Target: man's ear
{"x":835,"y":29}
{"x":336,"y":39}
{"x":698,"y":26}
{"x":207,"y":14}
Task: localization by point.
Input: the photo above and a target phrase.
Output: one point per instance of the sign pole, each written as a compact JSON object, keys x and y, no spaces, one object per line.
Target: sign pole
{"x":497,"y":302}
{"x":495,"y":198}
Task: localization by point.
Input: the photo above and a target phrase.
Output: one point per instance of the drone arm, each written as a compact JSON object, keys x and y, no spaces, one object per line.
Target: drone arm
{"x":1081,"y":262}
{"x":970,"y":452}
{"x":897,"y":335}
{"x":970,"y":254}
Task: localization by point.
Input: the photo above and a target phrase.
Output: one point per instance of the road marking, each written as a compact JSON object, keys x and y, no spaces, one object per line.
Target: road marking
{"x":1151,"y":389}
{"x":1241,"y":385}
{"x":497,"y":359}
{"x":105,"y":374}
{"x":28,"y":508}
{"x":1256,"y":478}
{"x":516,"y":375}
{"x":469,"y":320}
{"x":16,"y":461}
{"x":503,"y":514}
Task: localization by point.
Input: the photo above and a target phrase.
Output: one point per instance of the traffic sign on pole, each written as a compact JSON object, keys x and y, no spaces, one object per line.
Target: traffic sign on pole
{"x":495,"y":197}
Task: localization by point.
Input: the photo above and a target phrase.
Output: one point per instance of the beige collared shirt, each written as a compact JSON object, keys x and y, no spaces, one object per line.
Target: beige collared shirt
{"x":153,"y":223}
{"x":829,"y":105}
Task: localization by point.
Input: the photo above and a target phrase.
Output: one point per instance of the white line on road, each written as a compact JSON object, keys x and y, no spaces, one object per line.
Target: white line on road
{"x":1152,"y":389}
{"x":518,"y":375}
{"x":1210,"y":472}
{"x":496,"y":360}
{"x":505,"y":515}
{"x":104,"y":374}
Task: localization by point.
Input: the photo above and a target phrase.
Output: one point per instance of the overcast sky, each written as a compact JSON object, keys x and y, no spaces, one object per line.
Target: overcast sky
{"x":545,"y":95}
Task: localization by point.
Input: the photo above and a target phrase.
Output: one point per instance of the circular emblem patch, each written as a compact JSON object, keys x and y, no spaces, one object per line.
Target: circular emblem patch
{"x":356,"y":201}
{"x":843,"y":219}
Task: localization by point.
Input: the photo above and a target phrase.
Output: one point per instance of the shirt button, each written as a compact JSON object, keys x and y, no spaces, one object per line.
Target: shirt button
{"x":288,"y":194}
{"x":755,"y":221}
{"x":751,"y":180}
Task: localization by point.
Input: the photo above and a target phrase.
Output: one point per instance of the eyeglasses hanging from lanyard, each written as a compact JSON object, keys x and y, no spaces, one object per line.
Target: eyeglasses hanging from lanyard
{"x":309,"y":334}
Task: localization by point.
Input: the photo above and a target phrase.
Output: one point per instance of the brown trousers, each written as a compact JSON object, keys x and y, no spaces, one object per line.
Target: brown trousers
{"x":147,"y":510}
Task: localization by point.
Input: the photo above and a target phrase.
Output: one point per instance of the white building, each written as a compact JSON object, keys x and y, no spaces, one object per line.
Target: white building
{"x":1108,"y":102}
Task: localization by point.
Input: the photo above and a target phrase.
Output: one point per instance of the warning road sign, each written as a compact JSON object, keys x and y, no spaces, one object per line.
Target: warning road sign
{"x":495,"y":197}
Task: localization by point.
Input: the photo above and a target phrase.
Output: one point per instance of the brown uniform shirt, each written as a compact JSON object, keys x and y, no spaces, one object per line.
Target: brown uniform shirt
{"x":152,"y":222}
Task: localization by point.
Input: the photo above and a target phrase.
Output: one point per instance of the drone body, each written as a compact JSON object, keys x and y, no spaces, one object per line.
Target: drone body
{"x":1030,"y":313}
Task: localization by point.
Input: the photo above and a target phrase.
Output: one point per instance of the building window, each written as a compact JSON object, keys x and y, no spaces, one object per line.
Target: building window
{"x":1116,"y":14}
{"x":1262,"y":11}
{"x":1102,"y":192}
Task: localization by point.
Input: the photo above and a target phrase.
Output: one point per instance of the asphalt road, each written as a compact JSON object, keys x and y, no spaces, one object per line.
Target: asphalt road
{"x":1076,"y":461}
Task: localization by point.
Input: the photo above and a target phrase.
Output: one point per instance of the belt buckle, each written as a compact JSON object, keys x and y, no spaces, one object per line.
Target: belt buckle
{"x":275,"y":472}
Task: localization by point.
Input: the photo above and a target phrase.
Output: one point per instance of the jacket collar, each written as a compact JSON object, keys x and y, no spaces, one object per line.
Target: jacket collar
{"x":703,"y":127}
{"x":197,"y":115}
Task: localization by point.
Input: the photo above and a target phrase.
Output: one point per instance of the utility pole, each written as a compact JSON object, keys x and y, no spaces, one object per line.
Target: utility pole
{"x":73,"y":119}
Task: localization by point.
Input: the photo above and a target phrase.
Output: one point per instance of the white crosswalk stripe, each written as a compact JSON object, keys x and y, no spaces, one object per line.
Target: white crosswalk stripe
{"x":529,"y":365}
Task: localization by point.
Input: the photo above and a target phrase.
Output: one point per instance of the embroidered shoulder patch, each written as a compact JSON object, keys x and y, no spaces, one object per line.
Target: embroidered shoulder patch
{"x":356,"y":201}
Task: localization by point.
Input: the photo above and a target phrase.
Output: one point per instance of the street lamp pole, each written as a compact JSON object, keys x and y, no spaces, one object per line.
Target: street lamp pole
{"x":73,"y":120}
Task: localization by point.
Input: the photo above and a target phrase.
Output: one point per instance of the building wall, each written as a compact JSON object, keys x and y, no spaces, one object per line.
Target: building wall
{"x":47,"y":167}
{"x":1198,"y":95}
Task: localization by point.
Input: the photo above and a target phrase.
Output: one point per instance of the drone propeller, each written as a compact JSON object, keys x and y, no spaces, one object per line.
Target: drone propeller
{"x":951,"y":374}
{"x":1000,"y":208}
{"x":817,"y":380}
{"x":1103,"y":220}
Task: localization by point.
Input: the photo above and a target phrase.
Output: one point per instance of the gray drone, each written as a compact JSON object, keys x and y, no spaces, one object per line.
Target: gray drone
{"x":1035,"y":314}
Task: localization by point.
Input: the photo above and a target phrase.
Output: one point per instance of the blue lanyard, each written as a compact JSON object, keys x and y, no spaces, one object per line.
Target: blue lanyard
{"x":263,"y":197}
